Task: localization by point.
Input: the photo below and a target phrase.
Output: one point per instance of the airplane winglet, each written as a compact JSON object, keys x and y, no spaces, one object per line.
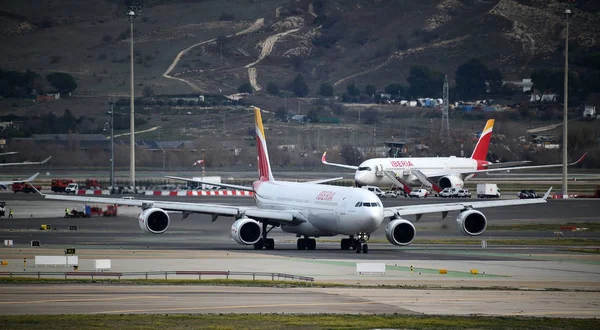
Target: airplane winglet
{"x":324,"y":158}
{"x":580,"y":159}
{"x":547,"y":194}
{"x":31,"y":178}
{"x":45,"y":160}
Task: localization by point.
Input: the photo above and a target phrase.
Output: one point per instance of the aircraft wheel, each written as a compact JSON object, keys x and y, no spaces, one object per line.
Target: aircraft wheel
{"x":365,"y":248}
{"x":270,"y":244}
{"x":311,"y":244}
{"x":258,"y":245}
{"x":358,"y":248}
{"x":300,"y":244}
{"x":345,"y":244}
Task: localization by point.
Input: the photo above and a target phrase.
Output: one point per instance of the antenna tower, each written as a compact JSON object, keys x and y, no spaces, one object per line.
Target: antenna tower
{"x":445,"y":131}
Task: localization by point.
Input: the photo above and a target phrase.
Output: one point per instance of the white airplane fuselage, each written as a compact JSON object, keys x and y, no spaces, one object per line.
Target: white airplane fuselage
{"x":326,"y":210}
{"x":367,"y":174}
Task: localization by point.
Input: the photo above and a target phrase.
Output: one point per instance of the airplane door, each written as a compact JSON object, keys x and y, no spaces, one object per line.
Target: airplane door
{"x":342,"y":209}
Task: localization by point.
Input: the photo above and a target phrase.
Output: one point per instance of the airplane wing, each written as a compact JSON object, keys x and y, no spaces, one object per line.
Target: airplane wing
{"x":506,"y":164}
{"x":279,"y":216}
{"x":26,"y":163}
{"x":8,"y":153}
{"x":530,"y":167}
{"x":6,"y":183}
{"x":326,"y":180}
{"x":324,"y":161}
{"x":444,"y":208}
{"x":224,"y":185}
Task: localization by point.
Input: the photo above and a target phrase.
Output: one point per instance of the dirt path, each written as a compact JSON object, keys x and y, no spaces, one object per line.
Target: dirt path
{"x":266,"y":50}
{"x":259,"y":23}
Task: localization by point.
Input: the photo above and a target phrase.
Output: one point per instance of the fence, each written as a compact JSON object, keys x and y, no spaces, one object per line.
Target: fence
{"x":146,"y":275}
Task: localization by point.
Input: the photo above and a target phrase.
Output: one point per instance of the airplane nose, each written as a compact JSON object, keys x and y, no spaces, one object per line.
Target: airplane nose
{"x":358,"y":179}
{"x":373,"y":219}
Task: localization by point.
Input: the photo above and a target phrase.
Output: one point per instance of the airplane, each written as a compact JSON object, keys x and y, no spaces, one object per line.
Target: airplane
{"x":25,"y":162}
{"x":4,"y":184}
{"x":435,"y":173}
{"x":307,"y":209}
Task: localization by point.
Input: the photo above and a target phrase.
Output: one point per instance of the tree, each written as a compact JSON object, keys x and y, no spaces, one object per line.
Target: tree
{"x":425,"y":82}
{"x":272,"y":88}
{"x":281,"y":114}
{"x":553,"y":80}
{"x":148,"y":91}
{"x":299,"y":87}
{"x":370,"y":90}
{"x":395,"y":89}
{"x":352,"y":90}
{"x":326,"y":89}
{"x":470,"y":79}
{"x":245,"y":88}
{"x":495,"y":80}
{"x":63,"y":82}
{"x":314,"y":114}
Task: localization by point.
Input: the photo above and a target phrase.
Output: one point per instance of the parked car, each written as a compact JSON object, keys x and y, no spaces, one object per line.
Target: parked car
{"x":389,"y":194}
{"x":448,"y":192}
{"x":463,"y":193}
{"x":419,"y":193}
{"x":523,"y":194}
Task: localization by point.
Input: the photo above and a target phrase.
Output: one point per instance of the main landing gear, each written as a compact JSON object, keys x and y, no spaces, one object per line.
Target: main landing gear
{"x":306,"y":243}
{"x":359,"y":244}
{"x":267,"y":243}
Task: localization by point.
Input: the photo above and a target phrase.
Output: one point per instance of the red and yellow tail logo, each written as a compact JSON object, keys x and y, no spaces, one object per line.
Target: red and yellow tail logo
{"x":264,"y":167}
{"x":481,"y":149}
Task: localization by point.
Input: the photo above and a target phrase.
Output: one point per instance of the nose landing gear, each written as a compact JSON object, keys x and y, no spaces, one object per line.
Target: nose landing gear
{"x":357,"y":243}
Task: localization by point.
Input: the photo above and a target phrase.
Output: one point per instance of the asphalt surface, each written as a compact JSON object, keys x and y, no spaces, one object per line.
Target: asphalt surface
{"x":106,"y":299}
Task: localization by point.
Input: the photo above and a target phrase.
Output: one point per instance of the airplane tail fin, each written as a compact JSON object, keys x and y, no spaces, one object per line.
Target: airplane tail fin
{"x":264,"y":167}
{"x":481,"y":149}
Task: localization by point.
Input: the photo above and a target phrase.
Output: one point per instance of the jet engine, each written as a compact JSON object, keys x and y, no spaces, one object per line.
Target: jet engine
{"x":471,"y":223}
{"x":246,"y":231}
{"x":400,"y":232}
{"x":154,"y":221}
{"x":451,"y":181}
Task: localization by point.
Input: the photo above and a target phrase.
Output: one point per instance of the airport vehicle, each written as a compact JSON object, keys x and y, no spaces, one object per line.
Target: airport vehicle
{"x":374,"y":190}
{"x":306,"y":209}
{"x":527,"y":194}
{"x":419,"y":193}
{"x":463,"y":193}
{"x":24,"y":187}
{"x":389,"y":194}
{"x":449,"y":192}
{"x":72,"y":188}
{"x":59,"y":185}
{"x":434,"y":173}
{"x":488,"y":190}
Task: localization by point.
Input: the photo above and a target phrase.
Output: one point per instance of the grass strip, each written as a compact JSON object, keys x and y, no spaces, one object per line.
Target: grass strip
{"x":592,"y":226}
{"x":272,"y":284}
{"x":287,"y":321}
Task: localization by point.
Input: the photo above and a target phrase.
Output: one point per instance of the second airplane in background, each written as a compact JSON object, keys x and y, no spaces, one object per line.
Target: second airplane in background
{"x":436,"y":173}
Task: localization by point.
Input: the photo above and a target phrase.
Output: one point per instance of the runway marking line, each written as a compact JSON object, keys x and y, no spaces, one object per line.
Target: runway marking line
{"x":296,"y":305}
{"x":75,"y":300}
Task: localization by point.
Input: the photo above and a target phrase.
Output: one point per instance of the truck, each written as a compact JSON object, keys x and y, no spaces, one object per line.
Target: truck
{"x":91,"y":184}
{"x":59,"y":185}
{"x":89,"y":210}
{"x":488,"y":190}
{"x":204,"y":186}
{"x":589,"y":112}
{"x":72,"y":188}
{"x":24,"y":187}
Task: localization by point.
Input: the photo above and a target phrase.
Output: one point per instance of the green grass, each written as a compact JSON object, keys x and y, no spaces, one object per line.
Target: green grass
{"x":592,"y":226}
{"x":288,"y":321}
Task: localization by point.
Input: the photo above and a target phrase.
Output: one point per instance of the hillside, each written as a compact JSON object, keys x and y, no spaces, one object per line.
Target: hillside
{"x":334,"y":41}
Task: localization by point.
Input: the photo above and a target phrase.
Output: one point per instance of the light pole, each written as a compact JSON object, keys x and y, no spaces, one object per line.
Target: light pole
{"x":132,"y":15}
{"x":112,"y":147}
{"x":566,"y":108}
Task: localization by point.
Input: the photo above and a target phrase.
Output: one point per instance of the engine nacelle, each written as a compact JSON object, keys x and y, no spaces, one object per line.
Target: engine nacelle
{"x":471,"y":223}
{"x":246,"y":231}
{"x":451,"y":181}
{"x":154,"y":221}
{"x":400,"y":232}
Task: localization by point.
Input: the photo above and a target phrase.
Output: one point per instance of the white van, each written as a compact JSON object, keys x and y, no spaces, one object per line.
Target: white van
{"x":72,"y":188}
{"x":374,"y":189}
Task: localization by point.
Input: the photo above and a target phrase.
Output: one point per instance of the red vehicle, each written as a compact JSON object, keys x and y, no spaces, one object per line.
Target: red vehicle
{"x":24,"y":187}
{"x":59,"y":185}
{"x":91,"y":183}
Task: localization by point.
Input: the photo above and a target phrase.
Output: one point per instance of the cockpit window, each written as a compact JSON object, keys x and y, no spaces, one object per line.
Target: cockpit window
{"x":358,"y":204}
{"x":364,"y":168}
